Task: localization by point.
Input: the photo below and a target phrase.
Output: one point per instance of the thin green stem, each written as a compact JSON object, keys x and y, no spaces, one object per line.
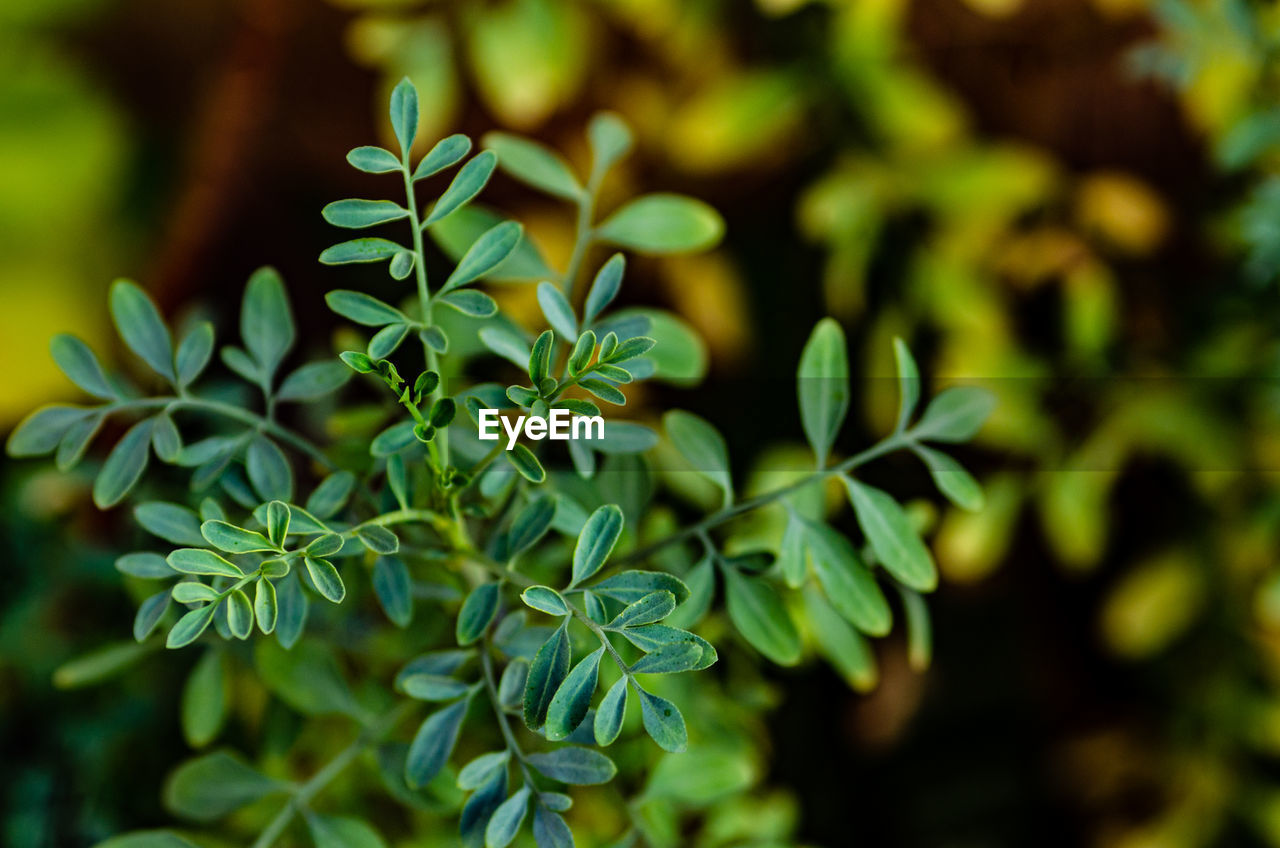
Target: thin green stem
{"x":424,"y":298}
{"x":583,"y":236}
{"x":700,"y":528}
{"x":504,"y":723}
{"x":235,"y":413}
{"x":303,"y":794}
{"x":600,"y":634}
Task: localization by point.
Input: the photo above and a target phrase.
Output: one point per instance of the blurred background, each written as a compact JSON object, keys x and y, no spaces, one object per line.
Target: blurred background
{"x":1073,"y":202}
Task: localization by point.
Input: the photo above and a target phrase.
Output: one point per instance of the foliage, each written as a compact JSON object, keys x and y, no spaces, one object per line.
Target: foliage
{"x":539,"y":565}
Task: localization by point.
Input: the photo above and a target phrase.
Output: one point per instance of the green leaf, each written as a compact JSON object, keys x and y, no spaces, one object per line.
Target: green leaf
{"x":124,"y":466}
{"x":556,"y":309}
{"x":98,"y":665}
{"x":468,"y":182}
{"x":239,"y":614}
{"x":326,"y":579}
{"x":822,"y":383}
{"x":574,"y":765}
{"x":214,"y":785}
{"x":204,"y":699}
{"x":293,"y":608}
{"x":533,"y":164}
{"x":194,"y":352}
{"x":459,"y":231}
{"x":402,"y":264}
{"x":596,"y":542}
{"x":139,"y":324}
{"x":165,"y":439}
{"x":544,"y":599}
{"x":359,"y":250}
{"x":506,"y":343}
{"x":612,"y":710}
{"x":540,"y":357}
{"x":480,"y":807}
{"x":477,"y":612}
{"x":242,"y":363}
{"x":700,"y":443}
{"x":266,"y":607}
{"x":170,"y":522}
{"x":652,"y":607}
{"x":580,"y":357}
{"x":342,"y":832}
{"x":654,"y":637}
{"x":234,"y":540}
{"x":266,"y":322}
{"x":433,"y":744}
{"x":80,"y":365}
{"x":848,"y":584}
{"x":955,"y":415}
{"x":604,"y":288}
{"x":373,"y":160}
{"x":547,"y":671}
{"x":680,"y":356}
{"x":759,"y":615}
{"x":605,"y":391}
{"x":355,"y":214}
{"x":434,"y":338}
{"x":530,"y":525}
{"x":840,"y":643}
{"x":193,"y":592}
{"x":306,"y":678}
{"x":610,"y":140}
{"x":332,"y":494}
{"x":432,"y":687}
{"x":550,"y":830}
{"x":952,"y":480}
{"x":386,"y":340}
{"x":475,"y":773}
{"x":662,"y":721}
{"x":313,"y":381}
{"x":392,"y":585}
{"x":631,"y":349}
{"x":147,"y":566}
{"x":149,"y":614}
{"x":919,"y":630}
{"x":75,"y":441}
{"x":791,"y":552}
{"x":363,"y":309}
{"x":404,"y":114}
{"x":190,"y":626}
{"x":325,"y":545}
{"x":523,"y":460}
{"x":200,"y":561}
{"x":380,"y":540}
{"x":908,"y":383}
{"x":269,"y":470}
{"x":40,"y":432}
{"x":672,"y":658}
{"x":631,"y":586}
{"x":896,"y":544}
{"x":473,"y":303}
{"x":506,"y":820}
{"x":446,"y":153}
{"x":571,"y":701}
{"x":663,"y":223}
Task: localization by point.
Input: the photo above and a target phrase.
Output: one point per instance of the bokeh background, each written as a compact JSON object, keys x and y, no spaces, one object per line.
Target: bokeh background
{"x":1074,"y":202}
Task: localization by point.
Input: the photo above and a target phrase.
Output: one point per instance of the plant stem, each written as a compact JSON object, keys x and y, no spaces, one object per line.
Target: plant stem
{"x":304,"y":793}
{"x":226,"y":410}
{"x":504,"y":723}
{"x":583,"y":236}
{"x":424,"y":299}
{"x":880,"y":448}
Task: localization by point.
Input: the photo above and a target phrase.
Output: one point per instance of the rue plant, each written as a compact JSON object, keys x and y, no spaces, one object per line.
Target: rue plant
{"x":546,"y":601}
